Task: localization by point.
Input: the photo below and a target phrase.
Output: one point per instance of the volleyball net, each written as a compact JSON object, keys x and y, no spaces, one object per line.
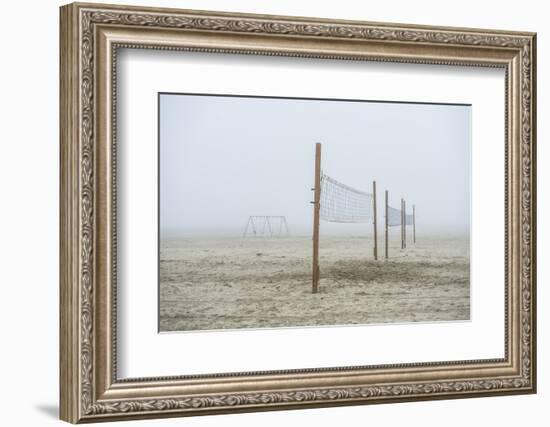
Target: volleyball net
{"x":394,"y":217}
{"x":337,"y":202}
{"x":341,"y":203}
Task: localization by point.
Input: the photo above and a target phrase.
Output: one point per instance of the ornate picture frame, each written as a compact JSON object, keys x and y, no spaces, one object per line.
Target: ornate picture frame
{"x":90,"y":37}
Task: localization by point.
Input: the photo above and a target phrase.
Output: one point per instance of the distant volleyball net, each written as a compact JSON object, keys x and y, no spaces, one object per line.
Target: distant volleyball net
{"x":393,"y":217}
{"x":341,"y":203}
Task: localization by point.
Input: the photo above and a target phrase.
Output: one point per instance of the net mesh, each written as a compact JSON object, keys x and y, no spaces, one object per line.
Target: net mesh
{"x":394,"y":217}
{"x":342,"y":203}
{"x":408,"y":219}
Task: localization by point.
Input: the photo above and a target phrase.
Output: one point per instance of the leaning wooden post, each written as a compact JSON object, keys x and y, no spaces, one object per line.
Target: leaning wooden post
{"x":414,"y":224}
{"x":386,"y":227}
{"x":316,"y":214}
{"x":404,"y":223}
{"x":375,"y":220}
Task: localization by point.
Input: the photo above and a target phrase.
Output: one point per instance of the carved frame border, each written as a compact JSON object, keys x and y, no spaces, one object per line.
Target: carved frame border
{"x":85,"y":396}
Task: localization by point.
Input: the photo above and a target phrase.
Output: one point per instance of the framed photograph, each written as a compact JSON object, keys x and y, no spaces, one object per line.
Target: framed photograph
{"x":266,"y":212}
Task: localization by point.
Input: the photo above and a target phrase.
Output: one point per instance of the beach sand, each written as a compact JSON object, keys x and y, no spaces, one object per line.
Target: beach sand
{"x":262,"y":282}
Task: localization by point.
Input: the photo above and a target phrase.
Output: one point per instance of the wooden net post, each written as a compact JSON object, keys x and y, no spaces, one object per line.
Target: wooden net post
{"x":414,"y":224}
{"x":375,"y":220}
{"x":316,"y":214}
{"x":386,"y":226}
{"x":401,"y":224}
{"x":404,"y":224}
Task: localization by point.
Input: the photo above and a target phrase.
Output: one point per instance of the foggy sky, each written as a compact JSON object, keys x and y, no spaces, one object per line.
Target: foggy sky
{"x":225,"y":158}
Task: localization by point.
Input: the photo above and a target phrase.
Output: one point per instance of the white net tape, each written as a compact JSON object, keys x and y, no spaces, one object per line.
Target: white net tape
{"x":342,"y":203}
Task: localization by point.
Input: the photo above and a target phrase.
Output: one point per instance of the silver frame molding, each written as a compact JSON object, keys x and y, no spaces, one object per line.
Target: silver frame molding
{"x":90,"y":37}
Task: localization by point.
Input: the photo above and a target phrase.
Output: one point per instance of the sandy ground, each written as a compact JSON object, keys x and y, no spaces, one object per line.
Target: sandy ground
{"x":230,"y":283}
